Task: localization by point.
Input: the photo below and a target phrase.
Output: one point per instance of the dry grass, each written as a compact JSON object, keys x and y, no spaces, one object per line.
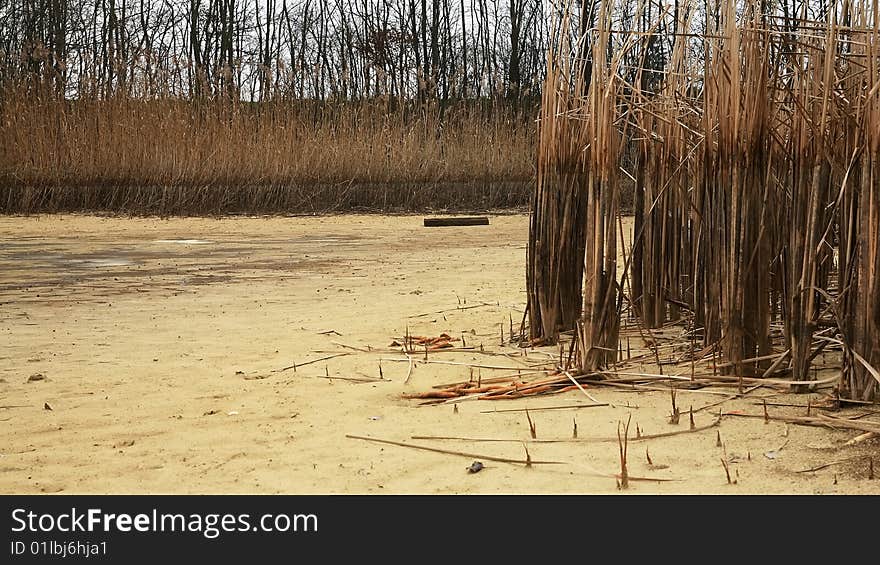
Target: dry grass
{"x":180,"y":157}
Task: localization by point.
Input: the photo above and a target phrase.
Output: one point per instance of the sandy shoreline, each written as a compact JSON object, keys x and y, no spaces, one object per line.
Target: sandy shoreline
{"x":161,"y":343}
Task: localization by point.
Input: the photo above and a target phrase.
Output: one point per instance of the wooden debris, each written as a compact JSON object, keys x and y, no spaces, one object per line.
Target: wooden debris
{"x":457,"y":221}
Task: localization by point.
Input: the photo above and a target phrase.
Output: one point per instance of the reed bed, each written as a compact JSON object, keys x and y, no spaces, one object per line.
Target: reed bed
{"x":756,"y":197}
{"x":175,"y":156}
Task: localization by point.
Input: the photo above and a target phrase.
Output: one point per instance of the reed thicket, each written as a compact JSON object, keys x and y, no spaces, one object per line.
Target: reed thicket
{"x":173,"y":156}
{"x":757,"y":190}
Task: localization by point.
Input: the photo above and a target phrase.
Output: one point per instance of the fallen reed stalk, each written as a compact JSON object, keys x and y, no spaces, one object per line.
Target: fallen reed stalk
{"x":528,"y":461}
{"x":640,"y":437}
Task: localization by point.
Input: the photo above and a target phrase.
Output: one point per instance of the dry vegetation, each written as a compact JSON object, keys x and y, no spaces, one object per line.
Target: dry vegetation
{"x":757,"y":193}
{"x":180,"y":157}
{"x":216,"y":106}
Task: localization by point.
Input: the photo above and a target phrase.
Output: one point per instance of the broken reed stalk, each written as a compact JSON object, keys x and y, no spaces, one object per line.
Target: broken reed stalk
{"x":623,"y":444}
{"x":726,"y":470}
{"x":532,"y":431}
{"x":674,"y":418}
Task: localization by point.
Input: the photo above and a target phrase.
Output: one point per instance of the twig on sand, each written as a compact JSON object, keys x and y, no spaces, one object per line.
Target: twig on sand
{"x":826,"y":465}
{"x":642,"y":437}
{"x":561,"y":407}
{"x":726,"y":399}
{"x":295,"y":366}
{"x":512,"y":376}
{"x":459,"y":453}
{"x":695,"y":429}
{"x":304,"y":363}
{"x":353,"y":379}
{"x":440,"y":362}
{"x":456,"y":309}
{"x":361,"y":349}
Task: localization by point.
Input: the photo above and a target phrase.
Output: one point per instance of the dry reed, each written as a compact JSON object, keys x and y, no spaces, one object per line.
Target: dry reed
{"x":174,"y":156}
{"x":757,"y":192}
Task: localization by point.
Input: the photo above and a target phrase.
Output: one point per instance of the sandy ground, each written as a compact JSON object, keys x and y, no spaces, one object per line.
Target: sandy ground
{"x":161,"y":345}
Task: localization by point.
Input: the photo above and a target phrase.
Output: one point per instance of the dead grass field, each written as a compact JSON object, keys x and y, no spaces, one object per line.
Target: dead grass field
{"x":160,"y":343}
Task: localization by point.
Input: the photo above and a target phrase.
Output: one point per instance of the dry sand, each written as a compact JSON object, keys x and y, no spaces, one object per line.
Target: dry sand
{"x":160,"y":342}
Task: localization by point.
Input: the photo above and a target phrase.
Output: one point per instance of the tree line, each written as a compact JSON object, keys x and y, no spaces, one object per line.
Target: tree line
{"x":276,"y":49}
{"x":262,"y":50}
